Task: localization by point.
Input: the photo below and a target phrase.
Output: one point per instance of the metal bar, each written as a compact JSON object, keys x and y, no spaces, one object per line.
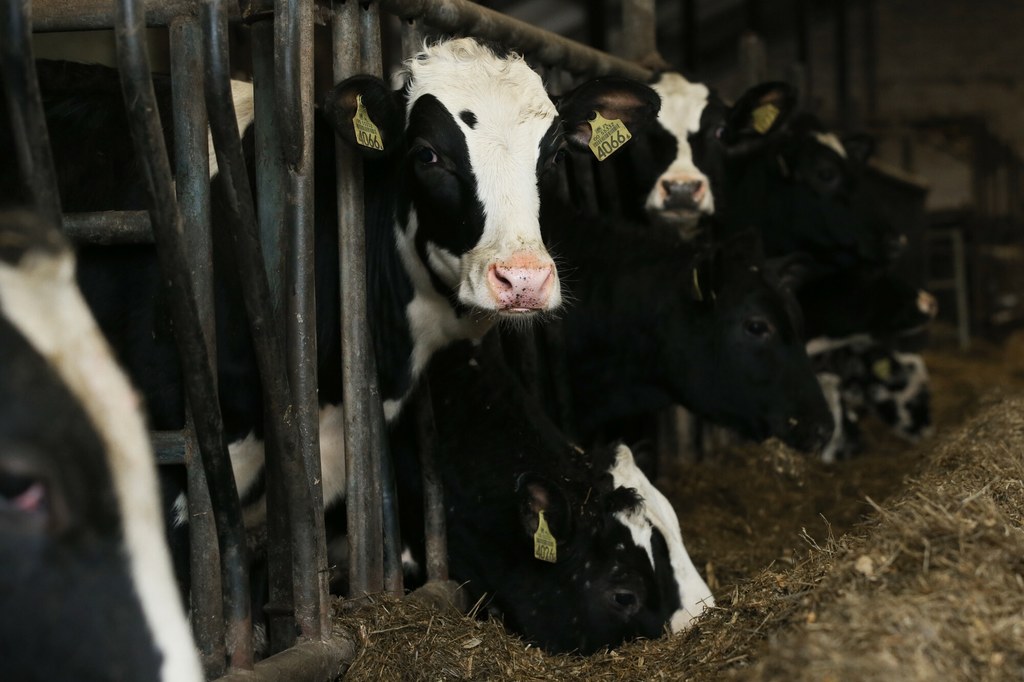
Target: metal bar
{"x":288,"y":37}
{"x":91,"y":15}
{"x":192,"y":182}
{"x":200,"y":385}
{"x":272,"y":184}
{"x":843,"y":113}
{"x":264,"y":326}
{"x":870,"y":44}
{"x":316,"y":661}
{"x":372,"y":60}
{"x":639,"y":35}
{"x":169,"y":447}
{"x":359,"y":381}
{"x":435,"y":528}
{"x":803,"y":51}
{"x":109,"y":227}
{"x":311,"y":603}
{"x":25,"y":106}
{"x":546,"y":47}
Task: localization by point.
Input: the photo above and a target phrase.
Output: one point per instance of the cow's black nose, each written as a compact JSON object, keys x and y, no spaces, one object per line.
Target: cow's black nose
{"x":682,"y":194}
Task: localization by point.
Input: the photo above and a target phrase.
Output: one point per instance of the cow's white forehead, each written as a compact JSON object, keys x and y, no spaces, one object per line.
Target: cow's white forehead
{"x":682,"y":104}
{"x":657,"y":513}
{"x":467,"y":76}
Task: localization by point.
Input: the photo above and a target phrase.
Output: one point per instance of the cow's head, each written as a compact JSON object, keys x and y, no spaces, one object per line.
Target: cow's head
{"x":86,"y":589}
{"x":679,"y":165}
{"x":897,"y":390}
{"x":473,"y":131}
{"x":622,"y":570}
{"x":745,"y":365}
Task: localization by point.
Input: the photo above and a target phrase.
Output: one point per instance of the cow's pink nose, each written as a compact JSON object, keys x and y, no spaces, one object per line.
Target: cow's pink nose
{"x":521,"y":283}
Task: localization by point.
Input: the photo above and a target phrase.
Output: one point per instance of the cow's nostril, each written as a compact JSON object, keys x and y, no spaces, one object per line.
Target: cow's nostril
{"x":498,"y":280}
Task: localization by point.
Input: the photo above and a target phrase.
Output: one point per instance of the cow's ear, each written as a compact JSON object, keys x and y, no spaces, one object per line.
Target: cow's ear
{"x":614,"y":99}
{"x":539,"y":497}
{"x":758,"y":116}
{"x":859,"y":148}
{"x":366,"y":113}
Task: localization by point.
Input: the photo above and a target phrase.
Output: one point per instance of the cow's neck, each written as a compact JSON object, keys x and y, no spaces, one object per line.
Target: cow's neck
{"x":423,"y":318}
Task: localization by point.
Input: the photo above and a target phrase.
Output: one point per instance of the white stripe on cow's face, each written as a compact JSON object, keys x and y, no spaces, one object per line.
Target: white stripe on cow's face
{"x":656,"y":511}
{"x":41,"y":299}
{"x":245,"y":112}
{"x":831,"y":141}
{"x":682,"y":104}
{"x":512,"y":113}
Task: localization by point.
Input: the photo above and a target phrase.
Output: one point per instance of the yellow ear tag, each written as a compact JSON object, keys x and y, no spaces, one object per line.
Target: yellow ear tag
{"x":544,"y":546}
{"x":608,"y":136}
{"x":367,"y":133}
{"x":763,"y":117}
{"x":882,"y":369}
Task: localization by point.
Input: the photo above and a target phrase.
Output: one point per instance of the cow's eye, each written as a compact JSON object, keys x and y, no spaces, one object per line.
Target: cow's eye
{"x":758,"y":328}
{"x":559,"y":156}
{"x":425,"y":155}
{"x":625,"y":599}
{"x":22,"y":494}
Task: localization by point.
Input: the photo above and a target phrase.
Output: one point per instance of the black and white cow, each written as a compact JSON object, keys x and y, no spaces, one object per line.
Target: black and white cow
{"x":86,"y":587}
{"x":658,"y":320}
{"x":756,"y":163}
{"x":861,"y":377}
{"x":618,"y":568}
{"x":453,"y":232}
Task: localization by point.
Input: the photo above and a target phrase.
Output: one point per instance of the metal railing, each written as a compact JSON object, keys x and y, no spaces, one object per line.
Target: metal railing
{"x":273,"y":233}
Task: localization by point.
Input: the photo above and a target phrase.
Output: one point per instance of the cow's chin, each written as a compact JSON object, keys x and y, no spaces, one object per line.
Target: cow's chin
{"x":684,"y":220}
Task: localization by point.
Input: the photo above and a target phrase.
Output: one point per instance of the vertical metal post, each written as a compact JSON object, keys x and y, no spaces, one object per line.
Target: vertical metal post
{"x":271,"y":195}
{"x":803,"y":52}
{"x":200,"y":384}
{"x":265,"y":324}
{"x":639,"y":35}
{"x":25,"y":107}
{"x":843,"y":113}
{"x":359,"y":381}
{"x":192,"y":181}
{"x":870,"y":8}
{"x":435,"y":527}
{"x":312,"y":605}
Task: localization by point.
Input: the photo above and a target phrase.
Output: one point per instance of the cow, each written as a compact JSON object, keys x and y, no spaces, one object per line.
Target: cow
{"x":658,"y":320}
{"x":86,"y":586}
{"x":862,"y":376}
{"x":453,"y":235}
{"x":576,"y":551}
{"x":757,"y":164}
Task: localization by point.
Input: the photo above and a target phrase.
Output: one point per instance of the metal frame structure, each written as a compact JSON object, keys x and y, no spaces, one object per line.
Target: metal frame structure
{"x":273,"y":233}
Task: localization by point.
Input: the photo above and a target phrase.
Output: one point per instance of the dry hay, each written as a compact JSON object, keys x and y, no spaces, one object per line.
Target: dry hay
{"x":906,"y":563}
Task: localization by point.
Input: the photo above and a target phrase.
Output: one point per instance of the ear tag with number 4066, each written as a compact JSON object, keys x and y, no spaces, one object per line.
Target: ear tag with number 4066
{"x":545,"y":547}
{"x":367,"y":133}
{"x":608,"y":136}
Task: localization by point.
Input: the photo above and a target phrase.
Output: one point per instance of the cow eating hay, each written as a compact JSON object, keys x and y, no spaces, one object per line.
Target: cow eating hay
{"x":929,"y":588}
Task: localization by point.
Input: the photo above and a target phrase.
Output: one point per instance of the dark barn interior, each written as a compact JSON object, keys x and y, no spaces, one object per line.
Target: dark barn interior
{"x":810,"y":338}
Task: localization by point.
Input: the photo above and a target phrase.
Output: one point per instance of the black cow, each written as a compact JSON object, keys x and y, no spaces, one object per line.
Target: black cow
{"x":453,"y":235}
{"x":613,"y":563}
{"x":86,"y":588}
{"x":657,"y":320}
